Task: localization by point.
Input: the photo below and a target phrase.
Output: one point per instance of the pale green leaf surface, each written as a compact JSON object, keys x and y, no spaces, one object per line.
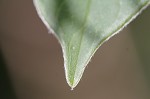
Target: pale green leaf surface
{"x":81,"y":26}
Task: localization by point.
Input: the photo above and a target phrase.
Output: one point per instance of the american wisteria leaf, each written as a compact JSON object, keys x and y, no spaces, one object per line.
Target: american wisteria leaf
{"x":81,"y":26}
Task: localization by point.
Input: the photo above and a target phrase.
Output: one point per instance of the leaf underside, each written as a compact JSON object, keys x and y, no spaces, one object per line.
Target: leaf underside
{"x":81,"y":26}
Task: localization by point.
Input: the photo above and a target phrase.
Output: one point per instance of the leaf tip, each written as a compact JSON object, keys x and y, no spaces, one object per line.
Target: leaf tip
{"x":71,"y":84}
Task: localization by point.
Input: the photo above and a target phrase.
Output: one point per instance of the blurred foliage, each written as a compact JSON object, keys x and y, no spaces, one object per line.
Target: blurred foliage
{"x":6,"y":90}
{"x":141,"y":37}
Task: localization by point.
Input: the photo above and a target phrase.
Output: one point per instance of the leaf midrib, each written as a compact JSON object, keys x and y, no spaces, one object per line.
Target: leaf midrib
{"x":82,"y":33}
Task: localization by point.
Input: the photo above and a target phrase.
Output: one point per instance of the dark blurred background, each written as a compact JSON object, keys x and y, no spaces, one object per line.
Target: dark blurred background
{"x":31,"y":62}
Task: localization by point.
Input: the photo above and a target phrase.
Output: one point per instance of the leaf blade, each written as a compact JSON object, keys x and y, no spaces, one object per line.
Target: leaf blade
{"x":82,"y":26}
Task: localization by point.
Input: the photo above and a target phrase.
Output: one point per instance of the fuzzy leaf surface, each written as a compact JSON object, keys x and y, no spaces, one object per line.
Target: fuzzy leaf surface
{"x":81,"y":26}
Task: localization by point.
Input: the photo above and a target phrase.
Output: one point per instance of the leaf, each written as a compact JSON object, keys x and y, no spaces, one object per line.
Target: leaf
{"x":81,"y":26}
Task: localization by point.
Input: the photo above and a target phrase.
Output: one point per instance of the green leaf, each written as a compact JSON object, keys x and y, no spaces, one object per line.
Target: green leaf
{"x":81,"y":26}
